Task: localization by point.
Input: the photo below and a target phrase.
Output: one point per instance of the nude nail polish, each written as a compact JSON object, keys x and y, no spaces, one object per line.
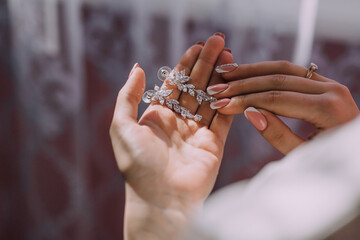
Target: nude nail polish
{"x":220,"y":34}
{"x":226,"y":68}
{"x":218,"y":88}
{"x":220,"y":103}
{"x":256,"y":118}
{"x":136,"y":65}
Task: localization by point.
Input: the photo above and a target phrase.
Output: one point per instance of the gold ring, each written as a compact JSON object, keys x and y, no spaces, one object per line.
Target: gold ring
{"x":312,"y":68}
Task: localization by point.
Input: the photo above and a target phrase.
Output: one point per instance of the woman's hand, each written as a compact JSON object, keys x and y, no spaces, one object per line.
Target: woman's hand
{"x":169,"y":163}
{"x":280,"y":88}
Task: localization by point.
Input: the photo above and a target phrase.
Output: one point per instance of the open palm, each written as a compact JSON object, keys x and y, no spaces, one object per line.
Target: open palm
{"x":165,"y":159}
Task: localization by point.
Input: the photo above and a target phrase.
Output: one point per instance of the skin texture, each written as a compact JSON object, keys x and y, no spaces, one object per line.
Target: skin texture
{"x":280,"y":88}
{"x":169,"y":163}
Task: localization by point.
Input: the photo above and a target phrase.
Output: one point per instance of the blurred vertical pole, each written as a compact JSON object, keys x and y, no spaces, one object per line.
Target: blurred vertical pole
{"x":306,"y":30}
{"x":140,"y":27}
{"x":177,"y":30}
{"x":74,"y":41}
{"x":51,"y":27}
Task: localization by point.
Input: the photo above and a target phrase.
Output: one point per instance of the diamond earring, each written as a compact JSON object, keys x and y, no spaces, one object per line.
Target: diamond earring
{"x":161,"y":94}
{"x":180,"y":80}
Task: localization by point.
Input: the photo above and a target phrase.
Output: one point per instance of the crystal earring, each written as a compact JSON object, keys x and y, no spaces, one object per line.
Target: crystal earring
{"x":161,"y":94}
{"x":180,"y":80}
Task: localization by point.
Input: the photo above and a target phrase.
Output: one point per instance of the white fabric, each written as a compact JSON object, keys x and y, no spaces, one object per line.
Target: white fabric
{"x":309,"y":194}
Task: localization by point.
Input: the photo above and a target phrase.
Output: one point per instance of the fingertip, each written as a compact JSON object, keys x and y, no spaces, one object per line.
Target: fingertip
{"x":201,"y":43}
{"x":256,"y":118}
{"x":139,"y":73}
{"x":134,"y":86}
{"x":220,"y":104}
{"x":136,"y":65}
{"x":225,"y":58}
{"x":225,"y":69}
{"x":220,"y":35}
{"x":216,"y":40}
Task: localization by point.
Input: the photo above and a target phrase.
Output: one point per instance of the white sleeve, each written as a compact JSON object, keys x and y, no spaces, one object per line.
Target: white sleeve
{"x":309,"y":194}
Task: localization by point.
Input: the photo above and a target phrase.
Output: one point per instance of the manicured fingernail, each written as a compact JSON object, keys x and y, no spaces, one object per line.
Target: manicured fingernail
{"x":256,"y":118}
{"x":220,"y":34}
{"x":228,"y":50}
{"x":136,"y":65}
{"x":201,"y":43}
{"x":220,"y":103}
{"x":226,"y":68}
{"x":212,"y":90}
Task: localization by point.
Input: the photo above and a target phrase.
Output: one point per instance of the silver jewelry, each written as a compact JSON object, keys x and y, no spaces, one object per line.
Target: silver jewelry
{"x":161,"y":94}
{"x":180,"y":80}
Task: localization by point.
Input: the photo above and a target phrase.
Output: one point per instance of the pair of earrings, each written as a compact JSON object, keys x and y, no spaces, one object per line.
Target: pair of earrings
{"x":180,"y":80}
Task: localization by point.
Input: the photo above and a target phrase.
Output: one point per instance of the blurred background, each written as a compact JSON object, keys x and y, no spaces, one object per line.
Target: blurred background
{"x":63,"y":62}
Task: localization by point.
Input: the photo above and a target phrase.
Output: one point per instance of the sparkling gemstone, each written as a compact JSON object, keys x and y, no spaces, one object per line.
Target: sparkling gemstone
{"x":161,"y":100}
{"x":183,"y":113}
{"x":172,"y":82}
{"x":197,"y":117}
{"x":173,"y":101}
{"x":314,"y":67}
{"x":169,"y":105}
{"x":177,"y":108}
{"x":200,"y":92}
{"x":199,"y":99}
{"x":166,"y":93}
{"x":184,"y":79}
{"x":212,"y":99}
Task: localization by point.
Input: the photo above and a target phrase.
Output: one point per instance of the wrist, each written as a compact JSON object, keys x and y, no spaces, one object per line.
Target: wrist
{"x":154,"y":220}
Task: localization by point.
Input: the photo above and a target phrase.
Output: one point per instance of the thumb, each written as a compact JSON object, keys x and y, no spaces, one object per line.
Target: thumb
{"x":275,"y":131}
{"x":126,"y":109}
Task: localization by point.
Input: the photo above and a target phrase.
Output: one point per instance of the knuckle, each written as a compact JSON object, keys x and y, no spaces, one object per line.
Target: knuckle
{"x":237,"y":105}
{"x":242,"y":102}
{"x":278,"y":80}
{"x":234,"y":88}
{"x":126,"y":96}
{"x":277,"y":138}
{"x":273,"y":96}
{"x":328,"y":102}
{"x":207,"y":60}
{"x":340,"y":89}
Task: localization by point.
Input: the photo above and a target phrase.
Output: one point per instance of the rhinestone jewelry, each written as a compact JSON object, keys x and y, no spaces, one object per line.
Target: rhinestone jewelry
{"x":179,"y":79}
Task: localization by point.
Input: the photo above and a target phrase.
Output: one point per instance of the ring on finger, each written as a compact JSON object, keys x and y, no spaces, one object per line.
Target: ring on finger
{"x":312,"y":68}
